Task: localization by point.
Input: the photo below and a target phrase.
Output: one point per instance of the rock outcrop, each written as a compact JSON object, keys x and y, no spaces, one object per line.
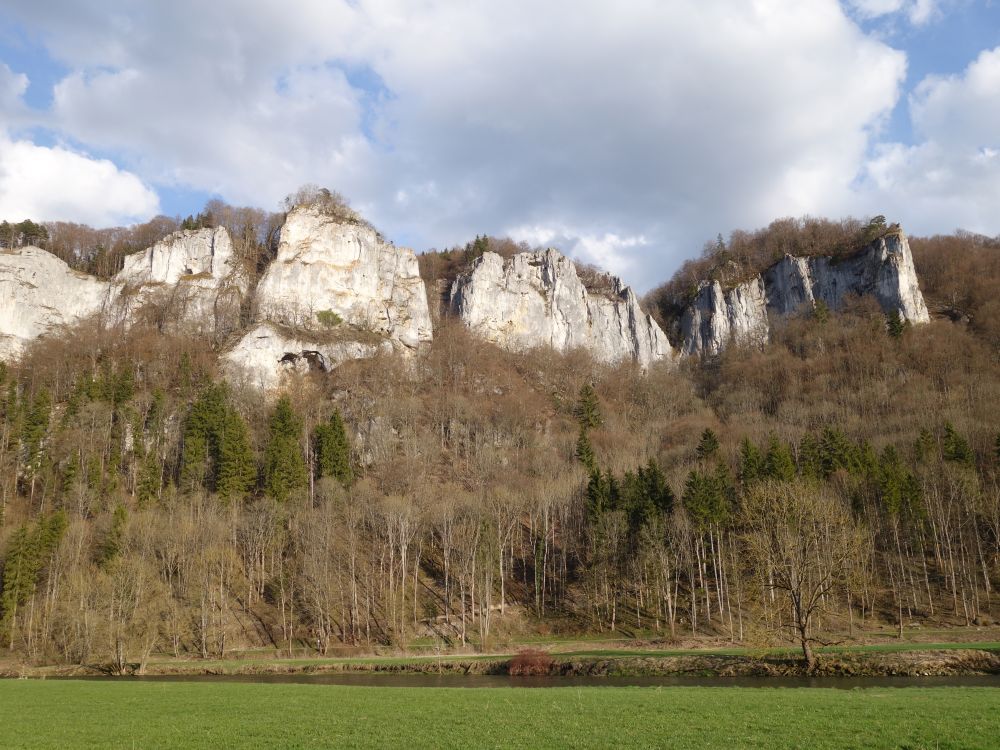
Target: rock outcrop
{"x":335,"y":291}
{"x":538,"y":300}
{"x":884,"y":270}
{"x":190,"y":280}
{"x":40,"y":293}
{"x":269,"y":352}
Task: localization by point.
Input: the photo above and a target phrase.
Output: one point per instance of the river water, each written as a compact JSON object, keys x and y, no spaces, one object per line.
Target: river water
{"x":389,"y":679}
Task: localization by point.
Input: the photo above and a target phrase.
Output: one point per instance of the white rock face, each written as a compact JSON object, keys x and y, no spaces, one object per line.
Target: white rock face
{"x":190,"y":278}
{"x":717,"y":317}
{"x":266,"y":354}
{"x":883,"y":270}
{"x":347,"y":269}
{"x":39,"y":293}
{"x":538,"y":300}
{"x":328,"y":266}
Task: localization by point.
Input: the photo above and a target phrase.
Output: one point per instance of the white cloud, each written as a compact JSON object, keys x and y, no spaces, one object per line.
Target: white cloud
{"x":48,"y":184}
{"x":666,"y":121}
{"x":12,"y":88}
{"x":951,"y":176}
{"x":918,"y":12}
{"x":608,"y":251}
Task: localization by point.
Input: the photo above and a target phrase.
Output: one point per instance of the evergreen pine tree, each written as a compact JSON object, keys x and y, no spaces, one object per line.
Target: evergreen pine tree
{"x":284,"y":468}
{"x":925,"y":447}
{"x":810,"y":457}
{"x":588,"y":410}
{"x":150,"y":481}
{"x":602,"y":494}
{"x":956,"y":448}
{"x":33,"y":431}
{"x":332,"y":450}
{"x":585,"y":451}
{"x":778,"y":462}
{"x":751,"y":463}
{"x":836,"y":453}
{"x":895,"y":324}
{"x":111,"y":546}
{"x":236,"y":470}
{"x":708,"y":445}
{"x":655,"y":486}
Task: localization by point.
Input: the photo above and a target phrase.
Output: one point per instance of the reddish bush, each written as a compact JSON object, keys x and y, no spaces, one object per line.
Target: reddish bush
{"x":531,"y":662}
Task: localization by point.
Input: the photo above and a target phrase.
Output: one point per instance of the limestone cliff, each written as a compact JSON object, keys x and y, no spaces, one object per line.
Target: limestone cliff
{"x":883,"y":270}
{"x":335,"y":291}
{"x":189,"y":280}
{"x":269,"y":352}
{"x":40,"y":293}
{"x":538,"y":300}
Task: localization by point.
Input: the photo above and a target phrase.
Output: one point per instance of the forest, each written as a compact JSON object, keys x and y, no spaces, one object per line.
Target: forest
{"x":844,"y":477}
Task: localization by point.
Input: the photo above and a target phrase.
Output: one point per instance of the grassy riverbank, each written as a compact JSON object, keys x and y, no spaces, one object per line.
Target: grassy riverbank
{"x":899,"y":658}
{"x":191,"y":715}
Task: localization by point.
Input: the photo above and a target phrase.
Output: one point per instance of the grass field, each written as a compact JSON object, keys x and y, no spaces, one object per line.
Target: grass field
{"x":179,"y":715}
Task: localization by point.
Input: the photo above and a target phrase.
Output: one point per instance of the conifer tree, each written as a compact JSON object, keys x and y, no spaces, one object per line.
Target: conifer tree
{"x":708,"y":445}
{"x":284,"y":468}
{"x":150,"y":480}
{"x":585,"y":451}
{"x":602,"y":494}
{"x":895,"y":324}
{"x":332,"y":450}
{"x":588,"y":410}
{"x":956,"y":448}
{"x":810,"y":458}
{"x":111,"y":547}
{"x":751,"y":463}
{"x":836,"y":453}
{"x":28,"y":553}
{"x":236,"y":470}
{"x":925,"y":446}
{"x":778,"y":463}
{"x":33,"y":431}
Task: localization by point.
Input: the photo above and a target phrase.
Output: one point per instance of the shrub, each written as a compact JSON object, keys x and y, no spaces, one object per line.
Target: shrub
{"x":531,"y":662}
{"x":328,"y":318}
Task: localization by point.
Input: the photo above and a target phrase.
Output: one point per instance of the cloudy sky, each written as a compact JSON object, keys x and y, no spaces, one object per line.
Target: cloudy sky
{"x":626,"y":133}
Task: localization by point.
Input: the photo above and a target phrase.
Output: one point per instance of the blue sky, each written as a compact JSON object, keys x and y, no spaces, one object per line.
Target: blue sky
{"x":625,"y":136}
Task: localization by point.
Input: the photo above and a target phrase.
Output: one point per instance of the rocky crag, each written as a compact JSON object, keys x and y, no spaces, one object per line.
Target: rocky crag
{"x":189,"y":281}
{"x":717,"y":317}
{"x":40,"y":294}
{"x":335,"y":291}
{"x":537,"y":299}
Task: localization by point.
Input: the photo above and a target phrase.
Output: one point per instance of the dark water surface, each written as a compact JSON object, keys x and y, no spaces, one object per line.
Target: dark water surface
{"x":388,"y":679}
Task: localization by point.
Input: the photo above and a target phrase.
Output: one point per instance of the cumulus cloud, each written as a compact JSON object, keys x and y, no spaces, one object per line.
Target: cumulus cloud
{"x":667,"y":122}
{"x":46,"y":184}
{"x":918,"y":12}
{"x":951,"y":176}
{"x":12,"y":88}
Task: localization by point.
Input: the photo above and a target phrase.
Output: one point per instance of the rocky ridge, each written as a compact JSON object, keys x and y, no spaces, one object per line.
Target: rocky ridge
{"x":335,"y":291}
{"x":538,"y":300}
{"x":39,"y":294}
{"x":884,"y":270}
{"x":191,"y":280}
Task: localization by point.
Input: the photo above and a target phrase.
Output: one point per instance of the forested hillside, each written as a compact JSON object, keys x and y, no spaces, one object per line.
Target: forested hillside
{"x":843,"y":477}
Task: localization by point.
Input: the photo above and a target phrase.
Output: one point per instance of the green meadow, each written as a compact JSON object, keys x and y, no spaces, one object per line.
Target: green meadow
{"x":68,"y":713}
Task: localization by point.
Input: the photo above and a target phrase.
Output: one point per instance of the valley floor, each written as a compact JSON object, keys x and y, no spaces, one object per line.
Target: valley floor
{"x":189,"y":715}
{"x":933,"y":652}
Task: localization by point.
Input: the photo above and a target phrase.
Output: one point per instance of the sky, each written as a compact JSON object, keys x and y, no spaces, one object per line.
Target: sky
{"x":626,"y":134}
